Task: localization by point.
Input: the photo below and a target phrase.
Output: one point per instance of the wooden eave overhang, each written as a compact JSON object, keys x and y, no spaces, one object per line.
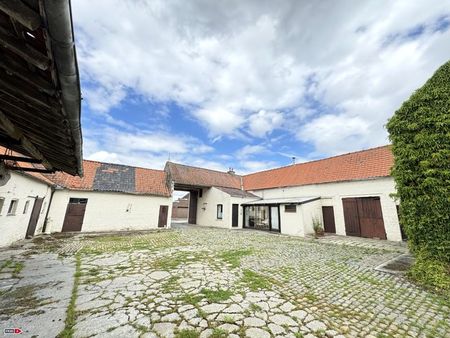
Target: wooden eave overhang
{"x":39,"y":84}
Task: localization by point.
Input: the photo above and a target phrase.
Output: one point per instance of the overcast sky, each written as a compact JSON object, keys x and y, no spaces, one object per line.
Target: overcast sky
{"x":249,"y":84}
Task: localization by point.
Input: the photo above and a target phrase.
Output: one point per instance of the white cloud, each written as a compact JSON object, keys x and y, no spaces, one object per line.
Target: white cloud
{"x":102,"y":99}
{"x":334,"y":133}
{"x":245,"y":67}
{"x":250,"y":150}
{"x":105,"y":156}
{"x":219,"y":121}
{"x":141,"y":148}
{"x":264,"y":122}
{"x":247,"y":167}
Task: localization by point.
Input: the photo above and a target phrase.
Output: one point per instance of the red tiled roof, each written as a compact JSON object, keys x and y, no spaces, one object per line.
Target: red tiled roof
{"x":193,"y":176}
{"x":151,"y":180}
{"x":99,"y":176}
{"x":361,"y":165}
{"x":37,"y":176}
{"x":75,"y":182}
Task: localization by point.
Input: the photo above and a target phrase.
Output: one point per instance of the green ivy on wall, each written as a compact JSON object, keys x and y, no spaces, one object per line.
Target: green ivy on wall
{"x":420,"y":135}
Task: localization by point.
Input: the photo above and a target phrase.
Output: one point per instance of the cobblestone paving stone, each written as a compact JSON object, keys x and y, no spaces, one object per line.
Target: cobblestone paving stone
{"x":204,"y":282}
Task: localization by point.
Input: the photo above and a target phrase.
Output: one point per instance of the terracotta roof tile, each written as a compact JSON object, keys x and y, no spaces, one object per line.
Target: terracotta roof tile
{"x":366,"y":164}
{"x":193,"y":176}
{"x":75,"y":182}
{"x":37,"y":176}
{"x":99,"y":176}
{"x":149,"y":180}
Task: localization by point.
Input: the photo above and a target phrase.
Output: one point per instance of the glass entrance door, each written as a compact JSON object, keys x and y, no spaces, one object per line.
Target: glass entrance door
{"x":274,"y":219}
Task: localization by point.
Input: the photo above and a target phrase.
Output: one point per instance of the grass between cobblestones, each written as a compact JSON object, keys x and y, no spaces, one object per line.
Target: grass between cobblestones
{"x":233,"y":257}
{"x":332,"y":288}
{"x":256,"y":281}
{"x":15,"y":267}
{"x":187,"y":333}
{"x":71,"y":314}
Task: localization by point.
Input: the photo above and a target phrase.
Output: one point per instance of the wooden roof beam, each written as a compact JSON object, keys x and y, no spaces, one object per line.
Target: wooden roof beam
{"x":17,"y":134}
{"x":11,"y":66}
{"x":10,"y":85}
{"x":19,"y":159}
{"x":33,"y":170}
{"x":20,"y":12}
{"x":10,"y":102}
{"x":22,"y":49}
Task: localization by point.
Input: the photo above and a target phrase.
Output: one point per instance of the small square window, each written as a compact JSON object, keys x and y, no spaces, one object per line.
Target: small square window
{"x":25,"y":207}
{"x":13,"y":207}
{"x":219,"y":211}
{"x":290,"y":208}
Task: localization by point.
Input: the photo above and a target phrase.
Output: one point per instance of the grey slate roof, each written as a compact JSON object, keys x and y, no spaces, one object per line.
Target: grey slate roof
{"x":111,"y":177}
{"x":237,"y":192}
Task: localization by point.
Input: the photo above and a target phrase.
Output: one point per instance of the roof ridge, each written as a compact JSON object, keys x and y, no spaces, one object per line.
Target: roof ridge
{"x":191,"y":166}
{"x":318,"y":160}
{"x":122,"y":165}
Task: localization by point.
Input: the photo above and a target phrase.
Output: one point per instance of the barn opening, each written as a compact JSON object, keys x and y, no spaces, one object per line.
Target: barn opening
{"x":180,"y":206}
{"x":363,"y":217}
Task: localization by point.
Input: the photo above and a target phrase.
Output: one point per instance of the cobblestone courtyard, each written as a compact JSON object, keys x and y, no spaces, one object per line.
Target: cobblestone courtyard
{"x":202,"y":282}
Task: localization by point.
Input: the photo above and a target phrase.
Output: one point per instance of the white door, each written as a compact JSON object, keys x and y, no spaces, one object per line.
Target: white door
{"x":274,"y":220}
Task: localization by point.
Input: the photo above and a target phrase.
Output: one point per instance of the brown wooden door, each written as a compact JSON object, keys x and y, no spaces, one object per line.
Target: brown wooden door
{"x":235,"y":216}
{"x":371,"y":218}
{"x":328,"y":220}
{"x":34,"y":217}
{"x":193,"y":195}
{"x":163,"y":212}
{"x":363,"y":217}
{"x":74,"y":214}
{"x":351,"y":217}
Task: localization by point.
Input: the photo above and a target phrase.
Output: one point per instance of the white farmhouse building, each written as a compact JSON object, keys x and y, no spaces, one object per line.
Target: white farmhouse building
{"x":109,"y":197}
{"x":349,"y":194}
{"x":24,"y":202}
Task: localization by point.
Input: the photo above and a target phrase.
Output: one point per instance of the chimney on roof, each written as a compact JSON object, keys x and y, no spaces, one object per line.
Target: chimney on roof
{"x":231,"y":171}
{"x":293,"y":159}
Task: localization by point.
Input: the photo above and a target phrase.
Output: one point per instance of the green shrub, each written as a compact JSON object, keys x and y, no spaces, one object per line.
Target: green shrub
{"x":420,"y":135}
{"x":431,"y":273}
{"x":317,"y":225}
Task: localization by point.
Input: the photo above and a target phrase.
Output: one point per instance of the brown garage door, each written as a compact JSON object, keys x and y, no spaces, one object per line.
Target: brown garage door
{"x":74,"y":214}
{"x":363,"y":217}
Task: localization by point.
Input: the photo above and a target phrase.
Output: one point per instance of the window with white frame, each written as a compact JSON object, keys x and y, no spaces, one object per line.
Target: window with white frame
{"x":219,"y":211}
{"x":13,"y":207}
